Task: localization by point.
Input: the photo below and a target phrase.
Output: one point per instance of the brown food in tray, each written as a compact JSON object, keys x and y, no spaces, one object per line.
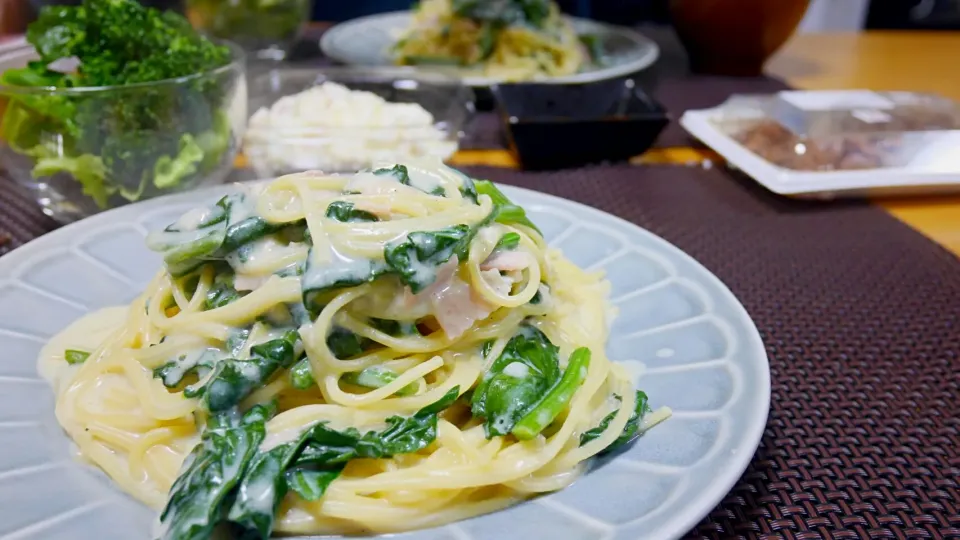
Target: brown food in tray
{"x":780,"y":146}
{"x":858,"y":145}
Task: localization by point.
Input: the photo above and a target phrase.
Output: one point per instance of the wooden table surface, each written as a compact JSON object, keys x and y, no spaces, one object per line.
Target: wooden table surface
{"x":914,"y":61}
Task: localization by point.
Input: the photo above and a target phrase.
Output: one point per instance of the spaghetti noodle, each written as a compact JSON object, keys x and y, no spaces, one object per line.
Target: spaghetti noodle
{"x":339,"y":354}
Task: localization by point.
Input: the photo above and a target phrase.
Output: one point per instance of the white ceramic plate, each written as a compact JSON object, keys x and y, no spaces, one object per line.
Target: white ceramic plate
{"x":366,"y":42}
{"x":703,"y":355}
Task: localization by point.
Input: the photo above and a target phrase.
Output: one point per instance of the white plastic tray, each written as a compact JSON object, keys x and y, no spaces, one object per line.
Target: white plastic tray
{"x":818,"y":185}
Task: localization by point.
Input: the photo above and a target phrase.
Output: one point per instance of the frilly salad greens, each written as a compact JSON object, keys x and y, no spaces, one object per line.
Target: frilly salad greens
{"x":133,"y":140}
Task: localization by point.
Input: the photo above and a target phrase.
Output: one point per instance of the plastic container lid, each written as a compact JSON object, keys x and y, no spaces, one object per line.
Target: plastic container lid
{"x":798,"y":142}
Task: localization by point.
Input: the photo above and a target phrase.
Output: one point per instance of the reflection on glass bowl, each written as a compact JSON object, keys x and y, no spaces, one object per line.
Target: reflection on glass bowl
{"x":130,"y":143}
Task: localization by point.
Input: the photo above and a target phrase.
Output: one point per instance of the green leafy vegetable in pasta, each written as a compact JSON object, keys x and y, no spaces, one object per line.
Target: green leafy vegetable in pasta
{"x":73,"y":356}
{"x":507,"y":211}
{"x":347,"y":212}
{"x":212,"y":234}
{"x":395,"y":328}
{"x":630,"y":431}
{"x":378,"y":377}
{"x":222,"y":291}
{"x":345,"y":344}
{"x":211,"y":472}
{"x":397,"y":172}
{"x":556,"y":399}
{"x":594,"y":46}
{"x":417,"y":257}
{"x":509,"y":241}
{"x":320,"y":277}
{"x":234,"y":379}
{"x":227,"y":480}
{"x":496,"y":15}
{"x":301,"y":375}
{"x":467,"y":187}
{"x":515,"y":382}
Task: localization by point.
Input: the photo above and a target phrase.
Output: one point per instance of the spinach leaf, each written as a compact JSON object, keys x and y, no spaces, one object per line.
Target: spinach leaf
{"x":258,"y":496}
{"x":236,"y":339}
{"x":395,"y":328}
{"x":345,"y":344}
{"x":308,"y":465}
{"x":508,"y":241}
{"x":494,"y":16}
{"x":320,"y":277}
{"x":507,"y":211}
{"x":405,"y":435}
{"x":311,"y":484}
{"x":234,"y":379}
{"x":378,"y":377}
{"x":301,"y":375}
{"x":220,"y":230}
{"x":503,"y":13}
{"x":221,"y":292}
{"x":248,"y":230}
{"x":556,"y":399}
{"x":348,"y":212}
{"x":398,"y":172}
{"x":467,"y":188}
{"x":641,"y":409}
{"x":416,"y":258}
{"x":211,"y":472}
{"x":173,"y":372}
{"x":487,"y":41}
{"x":538,"y":297}
{"x":594,"y":46}
{"x":186,"y":246}
{"x":73,"y":356}
{"x":517,"y":379}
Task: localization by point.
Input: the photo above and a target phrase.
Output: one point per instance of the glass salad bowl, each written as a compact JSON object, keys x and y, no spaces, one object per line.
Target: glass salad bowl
{"x":346,"y":119}
{"x":82,"y":150}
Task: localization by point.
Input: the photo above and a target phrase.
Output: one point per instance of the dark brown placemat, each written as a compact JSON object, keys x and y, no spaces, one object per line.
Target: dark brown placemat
{"x":21,"y":219}
{"x":861,"y":320}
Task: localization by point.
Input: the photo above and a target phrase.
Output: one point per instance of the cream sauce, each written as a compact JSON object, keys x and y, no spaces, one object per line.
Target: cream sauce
{"x":85,"y":334}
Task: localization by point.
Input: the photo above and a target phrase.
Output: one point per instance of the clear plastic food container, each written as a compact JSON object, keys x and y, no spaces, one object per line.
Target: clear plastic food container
{"x":364,"y":116}
{"x":846,"y":142}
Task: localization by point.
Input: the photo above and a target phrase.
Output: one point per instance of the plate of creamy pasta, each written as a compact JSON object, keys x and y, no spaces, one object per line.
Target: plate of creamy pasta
{"x":487,"y":43}
{"x":405,"y":350}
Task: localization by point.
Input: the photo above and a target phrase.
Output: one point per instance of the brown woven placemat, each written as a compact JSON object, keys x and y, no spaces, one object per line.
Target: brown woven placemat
{"x":861,"y":320}
{"x":20,"y":217}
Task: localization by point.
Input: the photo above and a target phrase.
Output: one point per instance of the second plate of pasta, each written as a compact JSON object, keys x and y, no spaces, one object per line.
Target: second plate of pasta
{"x":403,"y":350}
{"x":486,"y":49}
